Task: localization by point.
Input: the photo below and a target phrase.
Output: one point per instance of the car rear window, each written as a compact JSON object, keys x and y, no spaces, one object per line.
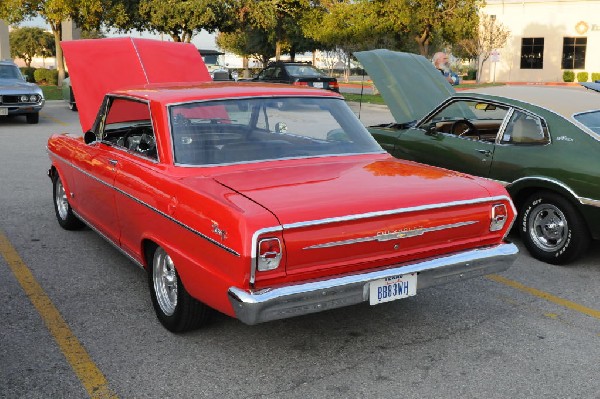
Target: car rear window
{"x":303,"y":70}
{"x":249,"y":130}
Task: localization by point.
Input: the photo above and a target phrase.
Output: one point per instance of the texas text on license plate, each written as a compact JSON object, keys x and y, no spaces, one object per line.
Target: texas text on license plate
{"x":3,"y":111}
{"x":392,"y":288}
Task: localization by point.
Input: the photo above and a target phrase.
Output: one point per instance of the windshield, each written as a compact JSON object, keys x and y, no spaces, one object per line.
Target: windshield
{"x":9,"y":72}
{"x":590,"y":119}
{"x":247,"y":130}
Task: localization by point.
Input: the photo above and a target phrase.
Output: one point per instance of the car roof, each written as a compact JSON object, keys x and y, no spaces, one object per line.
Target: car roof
{"x":172,"y":93}
{"x":564,"y":101}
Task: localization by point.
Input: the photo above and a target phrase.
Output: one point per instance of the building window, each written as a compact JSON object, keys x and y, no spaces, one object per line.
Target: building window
{"x":573,"y":56}
{"x":532,"y":53}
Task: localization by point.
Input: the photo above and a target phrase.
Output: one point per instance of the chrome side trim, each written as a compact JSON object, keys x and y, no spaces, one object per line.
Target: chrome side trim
{"x":581,"y":200}
{"x":590,"y":202}
{"x":257,"y":306}
{"x":391,"y":236}
{"x":172,"y":219}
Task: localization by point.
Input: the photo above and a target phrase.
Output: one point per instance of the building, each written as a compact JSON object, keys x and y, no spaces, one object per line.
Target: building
{"x":547,"y":38}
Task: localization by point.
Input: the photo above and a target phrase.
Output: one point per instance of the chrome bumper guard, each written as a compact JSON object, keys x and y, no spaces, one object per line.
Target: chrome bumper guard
{"x":257,"y":306}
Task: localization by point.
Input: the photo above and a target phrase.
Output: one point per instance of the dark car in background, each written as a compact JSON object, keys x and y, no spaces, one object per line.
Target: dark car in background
{"x":17,"y":96}
{"x":298,"y":74}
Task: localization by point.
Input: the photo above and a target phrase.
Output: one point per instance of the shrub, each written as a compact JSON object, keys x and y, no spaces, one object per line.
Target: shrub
{"x":582,"y":76}
{"x":595,"y":76}
{"x":28,"y":73}
{"x":568,"y":76}
{"x":471,"y":74}
{"x":47,"y":76}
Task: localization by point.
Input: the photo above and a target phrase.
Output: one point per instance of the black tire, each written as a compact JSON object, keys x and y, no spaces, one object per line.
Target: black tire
{"x":33,"y":118}
{"x":175,"y":308}
{"x":64,"y":213}
{"x":552,"y":229}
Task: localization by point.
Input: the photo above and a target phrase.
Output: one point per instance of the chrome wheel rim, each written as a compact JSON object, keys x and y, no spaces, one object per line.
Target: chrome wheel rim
{"x":165,"y":282}
{"x":60,"y":196}
{"x":548,"y":227}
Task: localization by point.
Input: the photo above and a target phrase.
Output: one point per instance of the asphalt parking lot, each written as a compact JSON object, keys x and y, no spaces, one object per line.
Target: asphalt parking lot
{"x":77,"y":319}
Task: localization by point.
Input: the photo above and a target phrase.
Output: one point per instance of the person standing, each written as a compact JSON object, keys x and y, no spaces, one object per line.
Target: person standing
{"x":442,"y":63}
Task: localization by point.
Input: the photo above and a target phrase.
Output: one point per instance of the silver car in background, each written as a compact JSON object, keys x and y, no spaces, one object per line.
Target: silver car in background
{"x":17,"y":96}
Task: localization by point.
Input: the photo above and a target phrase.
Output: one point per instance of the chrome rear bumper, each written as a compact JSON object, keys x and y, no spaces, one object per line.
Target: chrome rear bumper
{"x":257,"y":306}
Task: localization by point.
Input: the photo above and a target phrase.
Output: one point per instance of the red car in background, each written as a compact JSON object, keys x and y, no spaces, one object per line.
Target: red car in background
{"x":260,"y":201}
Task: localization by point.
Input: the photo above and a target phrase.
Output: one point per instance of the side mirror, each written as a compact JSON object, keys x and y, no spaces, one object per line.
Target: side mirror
{"x":89,"y":137}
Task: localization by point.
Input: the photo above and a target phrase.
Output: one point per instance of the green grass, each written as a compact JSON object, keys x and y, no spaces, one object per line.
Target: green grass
{"x":366,"y":98}
{"x":52,"y":92}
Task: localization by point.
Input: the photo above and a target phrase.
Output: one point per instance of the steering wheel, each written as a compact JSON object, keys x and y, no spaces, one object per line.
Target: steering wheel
{"x":146,"y":145}
{"x":464,"y":128}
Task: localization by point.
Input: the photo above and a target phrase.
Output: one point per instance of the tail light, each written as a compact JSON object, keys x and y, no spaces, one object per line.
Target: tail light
{"x":334,"y":85}
{"x":300,"y":83}
{"x":499,"y":217}
{"x":269,"y":254}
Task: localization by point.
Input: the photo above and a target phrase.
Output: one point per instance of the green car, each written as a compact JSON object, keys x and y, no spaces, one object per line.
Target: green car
{"x":547,"y":155}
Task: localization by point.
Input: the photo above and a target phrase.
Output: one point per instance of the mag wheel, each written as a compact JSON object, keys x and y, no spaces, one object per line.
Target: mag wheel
{"x":64,"y":214}
{"x":174,"y":306}
{"x":552,"y":229}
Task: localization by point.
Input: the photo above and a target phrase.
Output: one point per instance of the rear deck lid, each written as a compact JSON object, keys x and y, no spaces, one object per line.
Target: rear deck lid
{"x":409,"y":83}
{"x":98,"y":66}
{"x":354,"y":214}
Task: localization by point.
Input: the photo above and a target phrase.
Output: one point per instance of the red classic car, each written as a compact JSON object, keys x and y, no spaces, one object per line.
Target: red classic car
{"x":261,"y":201}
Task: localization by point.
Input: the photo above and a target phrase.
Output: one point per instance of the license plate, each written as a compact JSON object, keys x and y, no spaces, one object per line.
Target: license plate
{"x":3,"y":111}
{"x":318,"y":85}
{"x":392,"y":288}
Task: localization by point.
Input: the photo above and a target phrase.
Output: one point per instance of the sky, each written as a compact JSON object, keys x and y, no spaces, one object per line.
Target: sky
{"x":204,"y":40}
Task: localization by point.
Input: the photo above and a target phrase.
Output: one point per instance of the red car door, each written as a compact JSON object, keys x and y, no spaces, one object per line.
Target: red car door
{"x":95,"y":193}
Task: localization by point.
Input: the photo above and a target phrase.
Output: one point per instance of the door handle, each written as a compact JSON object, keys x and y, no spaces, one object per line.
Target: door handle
{"x":113,"y":161}
{"x":487,"y":153}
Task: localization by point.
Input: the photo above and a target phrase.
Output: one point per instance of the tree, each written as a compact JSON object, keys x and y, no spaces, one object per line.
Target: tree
{"x":26,"y":43}
{"x":426,"y":20}
{"x":89,"y":14}
{"x":248,"y":43}
{"x":278,"y":18}
{"x":491,"y":35}
{"x":181,"y":19}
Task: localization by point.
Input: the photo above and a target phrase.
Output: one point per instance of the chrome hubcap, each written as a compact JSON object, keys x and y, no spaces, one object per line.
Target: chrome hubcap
{"x":548,"y":227}
{"x":165,"y":281}
{"x":60,"y":196}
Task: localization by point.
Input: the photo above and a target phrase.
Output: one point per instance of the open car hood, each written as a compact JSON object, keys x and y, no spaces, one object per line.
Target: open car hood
{"x":98,"y":66}
{"x":409,"y":83}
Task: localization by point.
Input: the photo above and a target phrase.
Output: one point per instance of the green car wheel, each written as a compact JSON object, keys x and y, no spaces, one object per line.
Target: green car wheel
{"x":552,"y":229}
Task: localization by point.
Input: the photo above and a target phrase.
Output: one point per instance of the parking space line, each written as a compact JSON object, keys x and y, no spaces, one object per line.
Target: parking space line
{"x":544,"y":295}
{"x":53,"y":119}
{"x":86,"y":370}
